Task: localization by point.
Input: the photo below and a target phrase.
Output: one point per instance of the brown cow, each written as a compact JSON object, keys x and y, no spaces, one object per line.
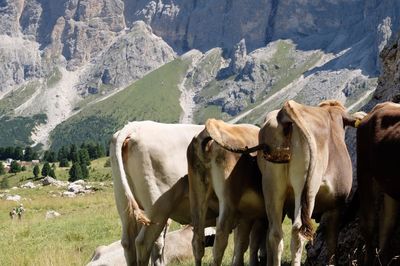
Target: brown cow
{"x":306,"y":172}
{"x":236,"y":181}
{"x":378,"y":144}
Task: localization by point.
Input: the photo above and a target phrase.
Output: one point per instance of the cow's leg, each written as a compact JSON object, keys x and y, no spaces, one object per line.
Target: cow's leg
{"x":331,"y":219}
{"x":298,"y":181}
{"x":368,"y":197}
{"x":130,"y":230}
{"x":274,"y":186}
{"x":297,"y":241}
{"x":241,"y":241}
{"x":199,"y":194}
{"x":257,"y":242}
{"x":387,"y":223}
{"x":159,"y":214}
{"x":157,"y":253}
{"x":224,"y":227}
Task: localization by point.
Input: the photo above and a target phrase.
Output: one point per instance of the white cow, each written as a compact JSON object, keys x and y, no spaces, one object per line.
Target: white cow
{"x":147,"y":159}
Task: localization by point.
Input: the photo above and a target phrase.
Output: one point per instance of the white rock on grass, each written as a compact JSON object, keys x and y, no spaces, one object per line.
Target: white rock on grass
{"x":52,"y":214}
{"x":79,"y":182}
{"x":48,"y":180}
{"x":75,"y":188}
{"x":28,"y":185}
{"x":13,"y":197}
{"x":68,"y":194}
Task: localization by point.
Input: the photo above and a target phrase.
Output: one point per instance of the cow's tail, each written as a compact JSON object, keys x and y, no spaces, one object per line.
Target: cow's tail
{"x":291,"y":110}
{"x":120,"y":143}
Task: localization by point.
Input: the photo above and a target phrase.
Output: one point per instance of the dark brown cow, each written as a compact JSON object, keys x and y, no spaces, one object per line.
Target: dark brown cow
{"x":378,"y":144}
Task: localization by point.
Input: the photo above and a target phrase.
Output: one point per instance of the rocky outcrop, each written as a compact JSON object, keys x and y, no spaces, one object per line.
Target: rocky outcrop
{"x":20,"y":61}
{"x":389,"y":82}
{"x":129,"y":58}
{"x":350,"y":243}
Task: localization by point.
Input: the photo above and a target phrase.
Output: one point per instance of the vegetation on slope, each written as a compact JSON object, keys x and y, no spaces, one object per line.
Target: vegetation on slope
{"x":17,"y":130}
{"x":154,"y":97}
{"x":16,"y":97}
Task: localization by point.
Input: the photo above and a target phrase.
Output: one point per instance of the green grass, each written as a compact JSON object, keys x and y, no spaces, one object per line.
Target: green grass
{"x":16,"y":97}
{"x":154,"y":97}
{"x":86,"y":222}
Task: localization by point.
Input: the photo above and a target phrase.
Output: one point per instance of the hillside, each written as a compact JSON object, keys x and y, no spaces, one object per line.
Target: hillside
{"x":154,"y":97}
{"x":62,"y":57}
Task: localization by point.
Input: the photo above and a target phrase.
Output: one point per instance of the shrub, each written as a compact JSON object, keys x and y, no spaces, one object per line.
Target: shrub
{"x":4,"y":183}
{"x":107,"y":163}
{"x":75,"y":173}
{"x":2,"y":170}
{"x":46,"y":169}
{"x":64,"y":162}
{"x":15,"y":167}
{"x":36,"y":171}
{"x":52,"y":173}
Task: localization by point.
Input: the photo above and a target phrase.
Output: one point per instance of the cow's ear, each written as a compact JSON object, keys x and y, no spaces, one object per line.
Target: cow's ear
{"x":353,"y":120}
{"x":349,"y":120}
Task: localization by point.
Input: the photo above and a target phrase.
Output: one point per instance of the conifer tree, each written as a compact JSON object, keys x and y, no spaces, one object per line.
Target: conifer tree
{"x":36,"y":171}
{"x":46,"y":169}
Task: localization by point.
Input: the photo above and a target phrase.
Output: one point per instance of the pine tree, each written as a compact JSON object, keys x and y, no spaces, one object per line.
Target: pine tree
{"x":64,"y":162}
{"x":18,"y":153}
{"x":2,"y":170}
{"x":46,"y":169}
{"x":100,"y":150}
{"x":29,"y":154}
{"x":52,"y":173}
{"x":73,"y":154}
{"x":36,"y":171}
{"x":15,"y":167}
{"x":62,"y":153}
{"x":75,"y":173}
{"x":85,"y":171}
{"x":84,"y":158}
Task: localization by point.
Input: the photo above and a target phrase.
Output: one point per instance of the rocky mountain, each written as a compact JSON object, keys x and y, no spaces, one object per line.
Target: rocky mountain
{"x":233,"y":60}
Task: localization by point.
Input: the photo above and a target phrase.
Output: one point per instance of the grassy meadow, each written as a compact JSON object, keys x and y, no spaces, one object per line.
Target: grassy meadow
{"x":86,"y":222}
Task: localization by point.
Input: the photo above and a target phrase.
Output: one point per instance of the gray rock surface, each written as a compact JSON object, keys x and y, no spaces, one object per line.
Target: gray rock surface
{"x":129,"y":58}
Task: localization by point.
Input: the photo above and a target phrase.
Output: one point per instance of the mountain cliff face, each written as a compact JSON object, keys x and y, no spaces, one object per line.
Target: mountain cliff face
{"x":245,"y":57}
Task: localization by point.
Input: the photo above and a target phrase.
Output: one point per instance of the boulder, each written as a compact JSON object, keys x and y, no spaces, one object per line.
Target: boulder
{"x":52,"y":214}
{"x":79,"y":182}
{"x":13,"y":197}
{"x":75,"y":188}
{"x":28,"y":185}
{"x":110,"y":255}
{"x":48,"y":180}
{"x":178,"y":247}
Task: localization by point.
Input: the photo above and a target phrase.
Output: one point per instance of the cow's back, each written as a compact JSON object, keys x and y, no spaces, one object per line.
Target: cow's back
{"x":156,"y":158}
